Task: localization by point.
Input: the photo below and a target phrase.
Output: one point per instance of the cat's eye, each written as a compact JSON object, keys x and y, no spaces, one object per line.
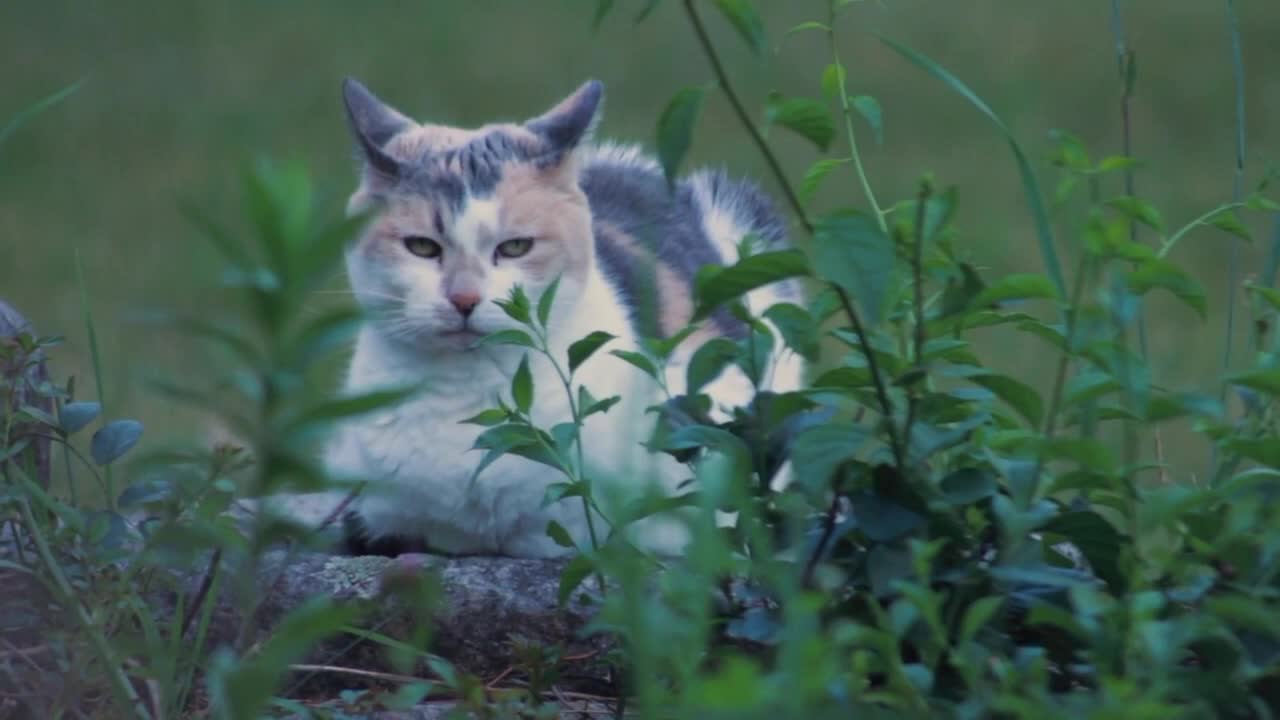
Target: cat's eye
{"x":423,"y":247}
{"x":515,"y":247}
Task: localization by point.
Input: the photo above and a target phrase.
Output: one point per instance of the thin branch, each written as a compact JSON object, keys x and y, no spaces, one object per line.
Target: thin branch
{"x":1126,"y":69}
{"x":873,"y":366}
{"x":723,"y":78}
{"x":1237,"y":187}
{"x":847,"y":114}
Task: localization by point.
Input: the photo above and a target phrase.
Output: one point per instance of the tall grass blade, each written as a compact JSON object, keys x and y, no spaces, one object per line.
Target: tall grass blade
{"x":1030,"y":186}
{"x":39,"y":106}
{"x":87,"y":312}
{"x":1127,"y":71}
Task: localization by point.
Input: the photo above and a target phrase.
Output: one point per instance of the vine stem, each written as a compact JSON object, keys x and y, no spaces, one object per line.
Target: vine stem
{"x":1233,"y":269}
{"x":873,"y":365}
{"x":1125,"y":69}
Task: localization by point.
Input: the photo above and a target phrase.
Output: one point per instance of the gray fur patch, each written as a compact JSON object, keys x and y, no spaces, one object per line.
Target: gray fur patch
{"x":635,"y":199}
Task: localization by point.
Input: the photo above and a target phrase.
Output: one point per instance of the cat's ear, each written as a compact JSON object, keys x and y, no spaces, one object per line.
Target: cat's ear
{"x":564,"y":126}
{"x":373,"y":123}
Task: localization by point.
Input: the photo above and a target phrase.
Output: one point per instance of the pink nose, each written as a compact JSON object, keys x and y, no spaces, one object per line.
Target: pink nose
{"x":465,"y":302}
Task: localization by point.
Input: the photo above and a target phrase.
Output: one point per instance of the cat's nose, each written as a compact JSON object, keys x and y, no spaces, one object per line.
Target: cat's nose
{"x":465,"y":302}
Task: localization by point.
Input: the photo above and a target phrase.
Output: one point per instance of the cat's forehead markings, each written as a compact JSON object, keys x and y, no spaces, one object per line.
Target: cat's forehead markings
{"x":477,"y":221}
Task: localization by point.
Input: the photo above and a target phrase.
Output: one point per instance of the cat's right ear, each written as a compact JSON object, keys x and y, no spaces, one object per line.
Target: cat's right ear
{"x":373,"y":123}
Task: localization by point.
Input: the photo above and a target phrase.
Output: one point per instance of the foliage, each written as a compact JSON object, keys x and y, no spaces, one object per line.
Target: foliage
{"x":952,"y":542}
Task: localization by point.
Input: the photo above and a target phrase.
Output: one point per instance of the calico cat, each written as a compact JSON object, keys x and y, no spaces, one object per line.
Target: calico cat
{"x":459,"y":218}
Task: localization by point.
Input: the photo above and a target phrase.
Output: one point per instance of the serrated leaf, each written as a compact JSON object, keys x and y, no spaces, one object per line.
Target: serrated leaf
{"x":743,"y":16}
{"x":545,"y":302}
{"x":1015,"y":287}
{"x":114,"y":439}
{"x":851,"y":251}
{"x":708,"y":362}
{"x":522,"y":386}
{"x":869,"y":108}
{"x":74,"y":416}
{"x":978,"y":616}
{"x":722,"y":285}
{"x":804,"y":116}
{"x":637,"y":360}
{"x":675,"y":129}
{"x":583,"y":349}
{"x":816,"y":173}
{"x":1096,"y":538}
{"x":559,"y":535}
{"x":882,"y":520}
{"x":1159,"y":273}
{"x":516,"y":306}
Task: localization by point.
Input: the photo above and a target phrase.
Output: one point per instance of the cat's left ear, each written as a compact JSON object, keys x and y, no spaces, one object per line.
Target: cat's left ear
{"x":566,"y":125}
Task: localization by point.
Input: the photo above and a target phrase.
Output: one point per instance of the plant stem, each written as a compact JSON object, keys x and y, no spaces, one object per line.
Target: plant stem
{"x":1233,"y":268}
{"x":120,"y":684}
{"x":723,"y":78}
{"x":873,"y":366}
{"x":96,"y":357}
{"x":847,"y":114}
{"x":1126,"y":69}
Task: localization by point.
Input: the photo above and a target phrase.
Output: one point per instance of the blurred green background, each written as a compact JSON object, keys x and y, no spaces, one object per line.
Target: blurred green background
{"x":179,"y":95}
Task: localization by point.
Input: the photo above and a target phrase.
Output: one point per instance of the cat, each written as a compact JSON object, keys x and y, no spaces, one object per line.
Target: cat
{"x":459,"y":217}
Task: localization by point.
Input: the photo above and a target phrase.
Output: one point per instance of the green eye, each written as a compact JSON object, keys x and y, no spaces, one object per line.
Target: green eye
{"x":423,"y":247}
{"x":515,"y":247}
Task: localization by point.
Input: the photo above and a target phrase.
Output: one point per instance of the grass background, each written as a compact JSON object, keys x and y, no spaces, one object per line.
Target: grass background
{"x":179,"y":95}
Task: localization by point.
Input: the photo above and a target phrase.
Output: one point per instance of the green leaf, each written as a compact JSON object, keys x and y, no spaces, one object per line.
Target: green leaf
{"x":588,"y":405}
{"x":1266,"y":380}
{"x":582,"y":349}
{"x":1015,"y":287}
{"x":243,"y":688}
{"x":708,"y":362}
{"x":517,"y":306}
{"x":869,"y":108}
{"x":574,"y":573}
{"x":603,"y":8}
{"x":1021,"y":397}
{"x":636,"y":359}
{"x":557,"y":533}
{"x":486,"y":418}
{"x":883,"y":520}
{"x":1227,"y":222}
{"x":816,"y":174}
{"x":1158,"y":273}
{"x":114,"y":440}
{"x":722,"y":285}
{"x":851,"y":251}
{"x":344,"y":407}
{"x":810,"y":25}
{"x":546,"y":301}
{"x":1098,"y":539}
{"x":74,"y":416}
{"x":1030,"y":186}
{"x":819,"y":451}
{"x":798,"y":328}
{"x":675,"y":129}
{"x":1139,"y":211}
{"x":510,"y":336}
{"x":744,"y":17}
{"x":978,"y":616}
{"x":803,"y":116}
{"x":522,"y":386}
{"x":967,"y":486}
